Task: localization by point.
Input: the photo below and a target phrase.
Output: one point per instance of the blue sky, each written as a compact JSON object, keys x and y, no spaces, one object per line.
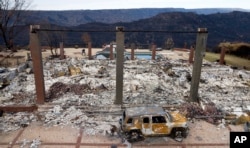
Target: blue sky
{"x":126,"y":4}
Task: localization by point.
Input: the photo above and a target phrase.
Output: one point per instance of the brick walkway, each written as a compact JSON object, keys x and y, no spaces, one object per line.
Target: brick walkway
{"x":201,"y":134}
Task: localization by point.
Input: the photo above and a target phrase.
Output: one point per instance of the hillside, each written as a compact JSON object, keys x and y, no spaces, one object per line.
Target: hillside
{"x":230,"y":27}
{"x":77,"y":17}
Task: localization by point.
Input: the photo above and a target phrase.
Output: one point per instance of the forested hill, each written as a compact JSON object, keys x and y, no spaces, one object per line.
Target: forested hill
{"x":230,"y":27}
{"x":77,"y":17}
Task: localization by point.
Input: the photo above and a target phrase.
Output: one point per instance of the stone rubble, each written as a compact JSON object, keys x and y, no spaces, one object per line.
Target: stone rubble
{"x":85,"y":99}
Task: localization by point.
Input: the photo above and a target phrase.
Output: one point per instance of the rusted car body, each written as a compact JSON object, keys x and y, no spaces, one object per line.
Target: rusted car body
{"x":138,"y":122}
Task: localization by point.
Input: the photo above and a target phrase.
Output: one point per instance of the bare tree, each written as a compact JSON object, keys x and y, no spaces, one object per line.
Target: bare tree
{"x":86,"y":38}
{"x":12,"y":14}
{"x":169,"y":43}
{"x":52,"y":39}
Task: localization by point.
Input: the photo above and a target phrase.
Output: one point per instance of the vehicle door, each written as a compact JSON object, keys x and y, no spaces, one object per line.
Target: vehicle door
{"x":146,"y":125}
{"x":159,"y":125}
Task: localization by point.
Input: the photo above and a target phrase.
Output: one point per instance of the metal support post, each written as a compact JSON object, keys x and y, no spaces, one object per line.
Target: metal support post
{"x":200,"y":50}
{"x":36,"y":55}
{"x":153,"y":51}
{"x":191,"y":55}
{"x":111,"y":54}
{"x":222,"y":55}
{"x":132,"y":51}
{"x":119,"y":64}
{"x":89,"y":51}
{"x":61,"y":51}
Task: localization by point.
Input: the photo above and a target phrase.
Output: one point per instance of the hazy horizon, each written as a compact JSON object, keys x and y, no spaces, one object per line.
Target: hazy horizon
{"x":137,"y":4}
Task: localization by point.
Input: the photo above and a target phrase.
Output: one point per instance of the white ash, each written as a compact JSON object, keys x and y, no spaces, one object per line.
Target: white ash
{"x":145,"y":82}
{"x":13,"y":121}
{"x":91,"y":125}
{"x":35,"y":143}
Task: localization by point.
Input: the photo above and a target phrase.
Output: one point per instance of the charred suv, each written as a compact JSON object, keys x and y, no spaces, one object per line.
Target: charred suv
{"x":139,"y":122}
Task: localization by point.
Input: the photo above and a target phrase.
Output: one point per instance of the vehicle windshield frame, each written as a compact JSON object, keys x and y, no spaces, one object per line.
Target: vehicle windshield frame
{"x":169,"y":116}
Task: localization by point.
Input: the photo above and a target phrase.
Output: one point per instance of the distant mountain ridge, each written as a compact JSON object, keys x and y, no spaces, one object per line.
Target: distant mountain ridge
{"x":230,"y":27}
{"x":77,"y":17}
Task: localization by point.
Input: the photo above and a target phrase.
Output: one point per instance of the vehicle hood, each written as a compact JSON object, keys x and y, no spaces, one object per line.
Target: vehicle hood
{"x":177,"y":117}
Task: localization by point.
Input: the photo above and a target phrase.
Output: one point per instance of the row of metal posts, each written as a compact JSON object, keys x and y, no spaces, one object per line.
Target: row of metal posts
{"x":200,"y":47}
{"x":132,"y":55}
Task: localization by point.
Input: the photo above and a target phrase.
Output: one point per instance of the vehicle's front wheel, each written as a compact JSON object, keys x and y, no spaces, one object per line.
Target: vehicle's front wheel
{"x":185,"y":133}
{"x":180,"y":132}
{"x":134,"y":136}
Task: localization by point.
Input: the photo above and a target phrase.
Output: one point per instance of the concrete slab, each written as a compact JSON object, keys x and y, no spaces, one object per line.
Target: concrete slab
{"x":56,"y":146}
{"x":46,"y":146}
{"x":45,"y":134}
{"x":8,"y":137}
{"x":100,"y":139}
{"x":204,"y":132}
{"x":151,"y":146}
{"x":107,"y":146}
{"x":236,"y":128}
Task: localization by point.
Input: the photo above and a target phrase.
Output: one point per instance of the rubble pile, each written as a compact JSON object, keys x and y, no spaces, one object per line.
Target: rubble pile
{"x":58,"y":89}
{"x":19,"y":91}
{"x":19,"y":98}
{"x":8,"y":74}
{"x":35,"y":143}
{"x":13,"y":121}
{"x":57,"y":116}
{"x":84,"y":97}
{"x":194,"y":110}
{"x":91,"y":124}
{"x":226,"y":88}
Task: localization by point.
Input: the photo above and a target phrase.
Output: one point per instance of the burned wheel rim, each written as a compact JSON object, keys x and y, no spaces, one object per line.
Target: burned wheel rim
{"x":134,"y":136}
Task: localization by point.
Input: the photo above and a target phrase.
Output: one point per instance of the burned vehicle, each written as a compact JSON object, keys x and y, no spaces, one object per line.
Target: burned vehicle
{"x":139,"y":122}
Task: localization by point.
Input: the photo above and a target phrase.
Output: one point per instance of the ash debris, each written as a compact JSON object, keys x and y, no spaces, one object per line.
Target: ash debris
{"x":59,"y":88}
{"x":35,"y":143}
{"x":209,"y":113}
{"x":82,"y":92}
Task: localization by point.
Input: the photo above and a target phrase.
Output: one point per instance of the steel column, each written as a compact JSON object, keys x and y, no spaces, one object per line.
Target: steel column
{"x":89,"y":51}
{"x":132,"y":51}
{"x":191,"y":55}
{"x":36,"y":55}
{"x":61,"y":51}
{"x":153,"y":51}
{"x":111,"y":54}
{"x":222,"y":55}
{"x":200,"y":50}
{"x":119,"y":64}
